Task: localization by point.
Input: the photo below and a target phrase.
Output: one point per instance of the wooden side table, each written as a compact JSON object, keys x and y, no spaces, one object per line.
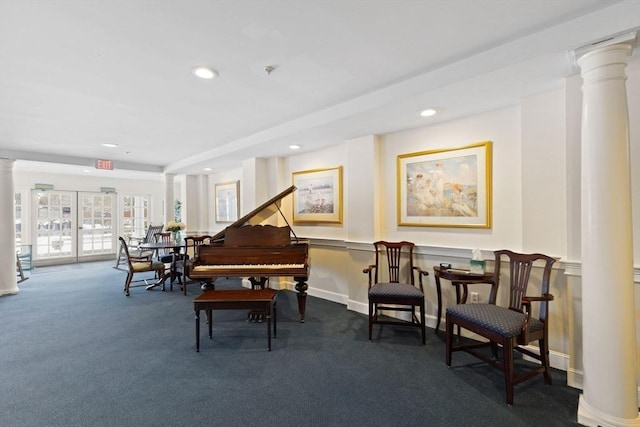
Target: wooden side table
{"x":460,"y":278}
{"x":260,"y":300}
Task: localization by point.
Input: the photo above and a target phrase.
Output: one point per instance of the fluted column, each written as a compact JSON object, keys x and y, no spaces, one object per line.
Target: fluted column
{"x":609,"y":338}
{"x":8,"y":281}
{"x":169,"y":213}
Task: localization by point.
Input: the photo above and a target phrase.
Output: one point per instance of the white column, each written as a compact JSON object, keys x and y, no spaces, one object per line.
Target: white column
{"x":169,"y":213}
{"x":8,"y":281}
{"x":609,"y":338}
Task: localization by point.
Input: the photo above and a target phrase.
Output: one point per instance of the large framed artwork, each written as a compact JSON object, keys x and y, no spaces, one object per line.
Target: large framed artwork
{"x":319,"y":196}
{"x":227,"y":201}
{"x":446,"y":187}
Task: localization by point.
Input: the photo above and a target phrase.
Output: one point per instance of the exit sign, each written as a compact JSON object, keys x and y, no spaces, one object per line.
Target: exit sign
{"x":104,"y":164}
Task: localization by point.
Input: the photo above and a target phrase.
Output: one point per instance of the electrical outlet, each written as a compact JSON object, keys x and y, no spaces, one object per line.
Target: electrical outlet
{"x":475,"y":297}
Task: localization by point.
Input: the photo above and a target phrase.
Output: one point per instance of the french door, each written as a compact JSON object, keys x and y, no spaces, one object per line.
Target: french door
{"x":73,"y":226}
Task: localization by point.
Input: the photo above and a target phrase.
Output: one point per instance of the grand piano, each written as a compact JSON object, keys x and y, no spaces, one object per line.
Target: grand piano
{"x":248,"y":249}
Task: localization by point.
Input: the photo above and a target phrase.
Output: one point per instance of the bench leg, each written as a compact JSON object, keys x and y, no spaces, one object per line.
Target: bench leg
{"x":197,"y":331}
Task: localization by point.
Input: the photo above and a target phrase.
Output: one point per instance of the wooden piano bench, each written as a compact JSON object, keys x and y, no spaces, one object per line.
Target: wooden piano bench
{"x":260,"y":301}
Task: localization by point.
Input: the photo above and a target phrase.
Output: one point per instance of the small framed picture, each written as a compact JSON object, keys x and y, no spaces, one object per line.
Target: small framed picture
{"x":227,"y":201}
{"x":319,"y":196}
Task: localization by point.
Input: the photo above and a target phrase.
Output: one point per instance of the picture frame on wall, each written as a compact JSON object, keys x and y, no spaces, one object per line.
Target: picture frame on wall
{"x":319,"y":196}
{"x":227,"y":201}
{"x":446,"y":187}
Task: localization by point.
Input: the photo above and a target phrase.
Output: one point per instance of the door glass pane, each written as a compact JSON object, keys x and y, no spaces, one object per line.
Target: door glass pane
{"x":134,"y":216}
{"x":97,"y":235}
{"x":17,"y":203}
{"x":54,"y":225}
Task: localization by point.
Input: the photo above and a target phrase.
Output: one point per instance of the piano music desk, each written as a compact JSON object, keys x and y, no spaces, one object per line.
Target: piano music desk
{"x":261,"y":300}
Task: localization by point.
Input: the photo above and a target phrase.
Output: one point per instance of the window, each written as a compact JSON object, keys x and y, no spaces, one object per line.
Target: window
{"x":18,"y":207}
{"x":135,"y":216}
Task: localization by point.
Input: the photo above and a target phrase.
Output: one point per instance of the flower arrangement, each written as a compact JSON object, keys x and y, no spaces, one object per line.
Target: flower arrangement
{"x":174,"y":226}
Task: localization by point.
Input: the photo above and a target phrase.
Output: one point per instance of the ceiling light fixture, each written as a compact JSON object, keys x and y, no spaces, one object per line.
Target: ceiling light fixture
{"x":204,"y":72}
{"x":294,"y":147}
{"x":428,"y":112}
{"x":110,"y":145}
{"x":207,"y":169}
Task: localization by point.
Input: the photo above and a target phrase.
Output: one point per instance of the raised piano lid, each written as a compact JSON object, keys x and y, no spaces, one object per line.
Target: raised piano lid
{"x":260,"y":214}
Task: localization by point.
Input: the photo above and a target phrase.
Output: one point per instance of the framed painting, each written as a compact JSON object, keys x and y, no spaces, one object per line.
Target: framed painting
{"x":319,"y":196}
{"x":227,"y":201}
{"x":446,"y":187}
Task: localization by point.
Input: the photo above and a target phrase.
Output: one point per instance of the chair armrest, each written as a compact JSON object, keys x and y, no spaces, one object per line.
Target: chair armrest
{"x":526,"y":305}
{"x":421,"y":273}
{"x":136,"y":240}
{"x":369,"y":270}
{"x":545,"y":297}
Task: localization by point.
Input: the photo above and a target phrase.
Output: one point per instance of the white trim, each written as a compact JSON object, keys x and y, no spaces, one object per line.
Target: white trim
{"x":574,"y":268}
{"x":8,"y":292}
{"x":590,"y":416}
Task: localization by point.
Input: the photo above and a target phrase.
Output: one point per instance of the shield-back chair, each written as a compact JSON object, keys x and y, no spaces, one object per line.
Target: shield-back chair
{"x":511,"y":327}
{"x":399,"y":292}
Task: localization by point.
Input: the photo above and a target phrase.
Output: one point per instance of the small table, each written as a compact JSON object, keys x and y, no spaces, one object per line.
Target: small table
{"x":175,"y":245}
{"x":260,"y":300}
{"x":459,"y":277}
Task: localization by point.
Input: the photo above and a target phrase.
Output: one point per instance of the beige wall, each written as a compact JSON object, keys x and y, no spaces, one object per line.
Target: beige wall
{"x":536,"y":205}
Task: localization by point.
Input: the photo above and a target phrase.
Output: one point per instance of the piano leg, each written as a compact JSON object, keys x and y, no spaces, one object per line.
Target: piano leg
{"x":258,"y":282}
{"x":301,"y":287}
{"x":208,"y":285}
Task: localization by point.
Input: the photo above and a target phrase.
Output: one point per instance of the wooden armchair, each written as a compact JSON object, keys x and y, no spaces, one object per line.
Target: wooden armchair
{"x":133,"y":243}
{"x":139,"y":265}
{"x":403,"y":296}
{"x":192,"y":243}
{"x":511,"y":327}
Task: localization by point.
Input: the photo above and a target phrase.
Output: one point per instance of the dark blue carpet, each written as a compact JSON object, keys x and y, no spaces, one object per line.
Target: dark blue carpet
{"x":74,"y":351}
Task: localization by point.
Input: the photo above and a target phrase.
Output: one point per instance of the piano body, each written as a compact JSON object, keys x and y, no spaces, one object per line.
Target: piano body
{"x":248,"y":249}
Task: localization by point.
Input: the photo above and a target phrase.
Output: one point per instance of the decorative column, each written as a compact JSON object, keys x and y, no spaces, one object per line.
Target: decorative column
{"x":168,"y":198}
{"x":610,"y":389}
{"x":8,"y":281}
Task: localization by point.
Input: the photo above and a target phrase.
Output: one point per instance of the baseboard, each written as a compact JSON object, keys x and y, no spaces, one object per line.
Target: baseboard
{"x":318,"y":293}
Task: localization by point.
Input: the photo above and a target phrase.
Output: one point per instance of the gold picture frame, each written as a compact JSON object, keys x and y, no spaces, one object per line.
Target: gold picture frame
{"x":227,"y":201}
{"x":319,"y":196}
{"x":446,"y":187}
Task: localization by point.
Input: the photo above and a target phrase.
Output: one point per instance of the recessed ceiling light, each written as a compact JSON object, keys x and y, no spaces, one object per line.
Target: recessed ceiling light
{"x":294,"y":147}
{"x":204,"y":72}
{"x":207,"y":169}
{"x":428,"y":112}
{"x":110,"y":145}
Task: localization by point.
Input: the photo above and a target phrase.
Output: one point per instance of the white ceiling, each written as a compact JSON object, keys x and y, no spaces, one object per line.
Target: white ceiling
{"x":75,"y":74}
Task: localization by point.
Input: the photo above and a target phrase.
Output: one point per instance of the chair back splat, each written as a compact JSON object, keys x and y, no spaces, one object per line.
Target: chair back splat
{"x":399,"y":293}
{"x":512,"y":327}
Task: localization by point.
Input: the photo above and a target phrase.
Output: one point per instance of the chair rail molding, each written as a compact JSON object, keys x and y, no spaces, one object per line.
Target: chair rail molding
{"x":574,"y":268}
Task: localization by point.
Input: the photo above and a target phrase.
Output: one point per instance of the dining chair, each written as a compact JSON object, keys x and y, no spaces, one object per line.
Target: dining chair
{"x":191,"y":245}
{"x":511,"y":327}
{"x":392,"y":286}
{"x":133,"y":243}
{"x":168,"y":255}
{"x":139,"y":265}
